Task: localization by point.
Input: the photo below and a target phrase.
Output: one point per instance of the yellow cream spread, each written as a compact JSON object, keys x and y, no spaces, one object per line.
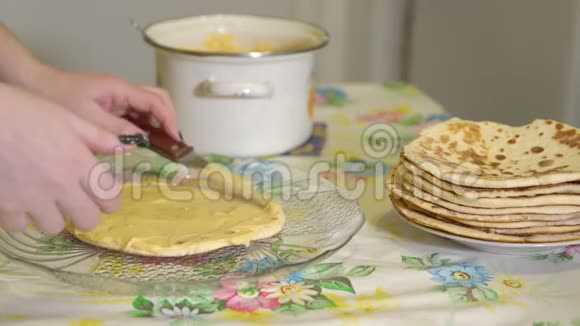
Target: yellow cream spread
{"x":156,"y":225}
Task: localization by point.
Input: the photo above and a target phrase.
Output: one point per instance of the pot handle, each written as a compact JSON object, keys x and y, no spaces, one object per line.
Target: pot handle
{"x":208,"y":88}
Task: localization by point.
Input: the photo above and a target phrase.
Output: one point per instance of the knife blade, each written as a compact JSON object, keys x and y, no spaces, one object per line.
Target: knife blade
{"x":163,"y":144}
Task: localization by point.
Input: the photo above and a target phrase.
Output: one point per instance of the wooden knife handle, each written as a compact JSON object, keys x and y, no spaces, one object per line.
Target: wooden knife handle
{"x":160,"y":141}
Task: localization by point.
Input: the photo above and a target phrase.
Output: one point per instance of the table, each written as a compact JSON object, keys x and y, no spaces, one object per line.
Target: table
{"x":390,"y":273}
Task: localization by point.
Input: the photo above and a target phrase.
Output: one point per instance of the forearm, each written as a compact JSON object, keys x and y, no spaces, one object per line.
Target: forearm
{"x":17,"y":64}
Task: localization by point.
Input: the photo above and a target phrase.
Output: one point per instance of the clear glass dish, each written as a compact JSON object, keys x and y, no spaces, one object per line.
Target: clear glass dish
{"x":319,"y":221}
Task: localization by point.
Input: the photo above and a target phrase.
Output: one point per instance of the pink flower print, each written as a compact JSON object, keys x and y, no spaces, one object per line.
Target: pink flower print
{"x":244,"y":297}
{"x":386,"y":116}
{"x":573,"y":250}
{"x":319,"y":99}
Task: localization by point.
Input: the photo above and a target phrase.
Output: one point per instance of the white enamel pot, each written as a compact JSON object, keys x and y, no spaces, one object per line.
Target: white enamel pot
{"x":243,"y":103}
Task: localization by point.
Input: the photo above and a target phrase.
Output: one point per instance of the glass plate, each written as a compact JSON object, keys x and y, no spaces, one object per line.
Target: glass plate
{"x":319,"y":221}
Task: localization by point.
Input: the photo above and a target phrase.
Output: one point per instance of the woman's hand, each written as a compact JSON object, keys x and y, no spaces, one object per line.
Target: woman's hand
{"x":102,"y":100}
{"x":46,"y":161}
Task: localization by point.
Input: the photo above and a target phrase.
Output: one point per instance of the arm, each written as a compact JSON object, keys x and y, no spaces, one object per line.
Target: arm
{"x":17,"y":64}
{"x":99,"y":99}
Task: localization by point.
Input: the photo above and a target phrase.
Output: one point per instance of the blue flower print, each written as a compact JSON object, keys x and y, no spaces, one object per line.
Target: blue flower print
{"x":330,"y":95}
{"x":461,"y":275}
{"x":295,"y":276}
{"x":261,"y":265}
{"x":438,"y":117}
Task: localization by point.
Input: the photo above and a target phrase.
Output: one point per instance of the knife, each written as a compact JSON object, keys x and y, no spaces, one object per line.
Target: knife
{"x":160,"y":142}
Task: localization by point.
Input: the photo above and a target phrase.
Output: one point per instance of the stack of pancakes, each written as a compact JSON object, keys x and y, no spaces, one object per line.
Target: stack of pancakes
{"x":493,"y":182}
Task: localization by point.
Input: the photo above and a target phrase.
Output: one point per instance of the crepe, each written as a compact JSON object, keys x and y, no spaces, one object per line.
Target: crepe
{"x":155,"y":225}
{"x":417,"y":184}
{"x":493,"y":155}
{"x":431,"y":222}
{"x":404,"y":190}
{"x":473,"y":192}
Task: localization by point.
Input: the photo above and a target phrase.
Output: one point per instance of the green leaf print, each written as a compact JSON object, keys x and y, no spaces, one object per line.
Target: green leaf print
{"x":435,"y":261}
{"x":337,"y":283}
{"x":141,"y":314}
{"x":197,"y":299}
{"x":141,"y":303}
{"x":563,"y":257}
{"x":484,"y":294}
{"x":320,"y":302}
{"x":440,"y":288}
{"x":321,"y":271}
{"x":432,"y":260}
{"x":224,"y":160}
{"x":547,"y":323}
{"x":361,"y":270}
{"x":58,"y":244}
{"x":290,"y":308}
{"x":413,"y":262}
{"x":459,"y":294}
{"x":413,"y":120}
{"x":184,"y":303}
{"x":209,"y":308}
{"x":165,"y":304}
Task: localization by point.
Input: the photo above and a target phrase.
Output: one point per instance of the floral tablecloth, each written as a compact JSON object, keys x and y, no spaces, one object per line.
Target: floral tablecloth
{"x":390,"y":273}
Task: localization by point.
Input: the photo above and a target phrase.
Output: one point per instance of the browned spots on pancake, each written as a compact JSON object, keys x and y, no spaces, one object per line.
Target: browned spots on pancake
{"x":444,"y":138}
{"x":494,"y":164}
{"x":499,"y":130}
{"x":548,"y":171}
{"x":512,"y":141}
{"x":508,"y":173}
{"x":495,"y":137}
{"x":438,"y":151}
{"x":500,"y":157}
{"x":469,"y":129}
{"x":517,"y":136}
{"x":453,"y":145}
{"x":559,"y":126}
{"x":469,"y":155}
{"x":537,"y":149}
{"x":549,"y":122}
{"x":541,"y":134}
{"x":569,"y":138}
{"x":501,"y":150}
{"x":526,"y":152}
{"x":544,"y":156}
{"x":426,"y":144}
{"x":559,"y":155}
{"x":546,"y":163}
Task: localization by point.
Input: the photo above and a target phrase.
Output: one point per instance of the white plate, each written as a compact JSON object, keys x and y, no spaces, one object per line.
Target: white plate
{"x":504,"y":248}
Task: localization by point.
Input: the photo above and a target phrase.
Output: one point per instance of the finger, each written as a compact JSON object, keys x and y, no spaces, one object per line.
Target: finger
{"x":83,"y":212}
{"x":97,"y":139}
{"x":103,"y":188}
{"x":148,"y":102}
{"x":162,"y":94}
{"x":48,"y":218}
{"x":14,"y":222}
{"x":109,"y":121}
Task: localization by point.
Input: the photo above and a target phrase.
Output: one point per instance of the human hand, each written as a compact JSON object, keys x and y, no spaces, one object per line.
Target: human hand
{"x":45,"y":160}
{"x":103,"y":100}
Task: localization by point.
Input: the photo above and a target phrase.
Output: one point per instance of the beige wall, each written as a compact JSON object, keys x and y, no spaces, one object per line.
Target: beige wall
{"x":95,"y":36}
{"x":499,"y":60}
